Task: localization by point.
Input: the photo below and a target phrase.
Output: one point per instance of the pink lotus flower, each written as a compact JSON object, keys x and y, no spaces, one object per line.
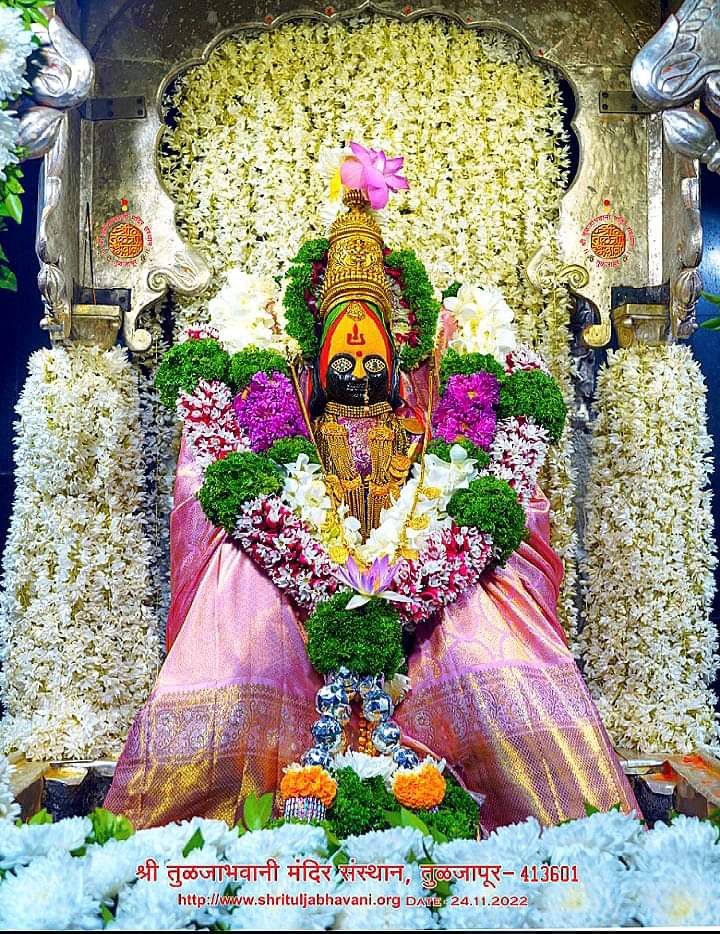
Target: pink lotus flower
{"x":370,"y":171}
{"x":374,"y":582}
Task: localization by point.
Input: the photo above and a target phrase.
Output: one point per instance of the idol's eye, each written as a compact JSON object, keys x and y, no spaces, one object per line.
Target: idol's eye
{"x":341,"y":365}
{"x":374,"y":365}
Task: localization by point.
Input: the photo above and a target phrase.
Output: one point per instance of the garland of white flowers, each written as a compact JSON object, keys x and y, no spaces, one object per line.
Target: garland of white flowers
{"x":82,"y":874}
{"x":649,"y":643}
{"x":479,"y":123}
{"x":79,"y":638}
{"x":9,"y":808}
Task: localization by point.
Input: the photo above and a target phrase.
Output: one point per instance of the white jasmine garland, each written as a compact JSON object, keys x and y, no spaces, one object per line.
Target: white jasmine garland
{"x":16,"y":46}
{"x":78,"y":633}
{"x":651,"y":553}
{"x":254,"y":193}
{"x":9,"y":808}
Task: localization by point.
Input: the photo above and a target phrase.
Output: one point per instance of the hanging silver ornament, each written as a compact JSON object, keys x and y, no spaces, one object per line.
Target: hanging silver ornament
{"x":377,"y":706}
{"x":317,"y":756}
{"x":346,"y":678}
{"x":369,"y":683}
{"x":327,"y":733}
{"x":386,"y":736}
{"x":331,"y":699}
{"x":405,"y":758}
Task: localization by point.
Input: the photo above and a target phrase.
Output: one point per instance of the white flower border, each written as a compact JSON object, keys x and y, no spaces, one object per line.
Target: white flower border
{"x":626,"y":877}
{"x":649,"y":643}
{"x":78,"y":632}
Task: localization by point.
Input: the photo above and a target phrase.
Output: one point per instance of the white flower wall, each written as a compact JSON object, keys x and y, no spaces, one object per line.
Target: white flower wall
{"x":649,"y":643}
{"x":78,"y":635}
{"x":480,"y":126}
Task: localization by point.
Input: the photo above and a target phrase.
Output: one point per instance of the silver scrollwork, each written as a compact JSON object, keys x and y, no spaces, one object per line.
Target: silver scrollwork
{"x":62,"y":81}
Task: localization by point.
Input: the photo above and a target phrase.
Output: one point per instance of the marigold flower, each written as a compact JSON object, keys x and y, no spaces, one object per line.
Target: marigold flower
{"x":311,"y":781}
{"x":420,"y":788}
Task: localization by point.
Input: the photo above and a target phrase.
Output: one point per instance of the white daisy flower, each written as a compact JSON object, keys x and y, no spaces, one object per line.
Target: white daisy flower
{"x":397,"y":845}
{"x":49,"y":894}
{"x":15,"y":47}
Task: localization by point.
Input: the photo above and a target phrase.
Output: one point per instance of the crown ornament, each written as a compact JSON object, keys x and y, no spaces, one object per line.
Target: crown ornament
{"x":355,"y":267}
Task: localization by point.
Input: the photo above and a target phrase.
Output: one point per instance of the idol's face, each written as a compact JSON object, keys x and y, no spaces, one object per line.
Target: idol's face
{"x":361,"y":381}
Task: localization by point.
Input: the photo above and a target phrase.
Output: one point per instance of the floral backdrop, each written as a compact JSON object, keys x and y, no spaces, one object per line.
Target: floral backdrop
{"x":78,"y":627}
{"x":649,"y":643}
{"x":481,"y":127}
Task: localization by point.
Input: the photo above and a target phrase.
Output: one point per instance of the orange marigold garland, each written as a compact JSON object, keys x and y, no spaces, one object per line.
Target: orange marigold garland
{"x":421,"y":788}
{"x":310,"y":781}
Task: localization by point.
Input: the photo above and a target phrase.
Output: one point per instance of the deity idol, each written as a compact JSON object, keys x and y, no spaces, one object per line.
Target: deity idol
{"x":362,"y":583}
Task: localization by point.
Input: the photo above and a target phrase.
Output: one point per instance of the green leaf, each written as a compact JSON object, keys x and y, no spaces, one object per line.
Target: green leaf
{"x":257,"y":811}
{"x":79,"y":851}
{"x":42,"y":817}
{"x":709,"y":297}
{"x":108,"y":826}
{"x":107,"y":915}
{"x":7,"y":278}
{"x":14,"y":185}
{"x":14,"y":206}
{"x":590,"y":809}
{"x":196,"y":842}
{"x":711,"y":324}
{"x":408,"y":819}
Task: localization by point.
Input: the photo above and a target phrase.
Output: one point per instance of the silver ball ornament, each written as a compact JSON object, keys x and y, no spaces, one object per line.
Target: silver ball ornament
{"x":327,"y":733}
{"x":377,"y":706}
{"x":405,"y":758}
{"x":386,"y":736}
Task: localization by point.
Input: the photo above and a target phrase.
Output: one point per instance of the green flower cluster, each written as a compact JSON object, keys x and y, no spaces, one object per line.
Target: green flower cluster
{"x":359,"y":806}
{"x":466,"y":364}
{"x":492,"y":506}
{"x":187,"y":363}
{"x":232,"y":481}
{"x":246,"y":363}
{"x":441,"y":449}
{"x":286,"y":450}
{"x":535,"y":395}
{"x":362,"y":806}
{"x":418,"y":293}
{"x":301,"y":322}
{"x":368,"y":639}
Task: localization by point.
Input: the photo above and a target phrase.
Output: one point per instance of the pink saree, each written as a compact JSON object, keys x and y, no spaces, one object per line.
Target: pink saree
{"x":495,"y":690}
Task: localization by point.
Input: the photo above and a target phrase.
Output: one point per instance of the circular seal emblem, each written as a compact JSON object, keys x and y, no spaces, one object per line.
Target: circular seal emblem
{"x":125,"y":238}
{"x":607,"y":239}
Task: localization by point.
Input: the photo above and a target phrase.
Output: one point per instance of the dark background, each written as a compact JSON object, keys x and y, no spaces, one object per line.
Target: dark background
{"x":22,"y":311}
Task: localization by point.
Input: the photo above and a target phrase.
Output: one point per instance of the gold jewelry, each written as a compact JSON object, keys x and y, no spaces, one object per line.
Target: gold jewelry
{"x":358,"y":411}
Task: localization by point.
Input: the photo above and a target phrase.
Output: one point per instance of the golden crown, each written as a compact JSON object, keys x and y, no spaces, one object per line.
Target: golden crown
{"x":355,"y":267}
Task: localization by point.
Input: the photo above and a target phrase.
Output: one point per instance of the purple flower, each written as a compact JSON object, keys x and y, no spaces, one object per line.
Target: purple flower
{"x":268,"y":410}
{"x":466,"y":409}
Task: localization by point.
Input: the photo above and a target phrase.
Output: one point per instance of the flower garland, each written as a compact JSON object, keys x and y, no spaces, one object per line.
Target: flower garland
{"x":17,"y":44}
{"x":81,"y":873}
{"x":9,"y":808}
{"x":649,"y":643}
{"x":80,"y":640}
